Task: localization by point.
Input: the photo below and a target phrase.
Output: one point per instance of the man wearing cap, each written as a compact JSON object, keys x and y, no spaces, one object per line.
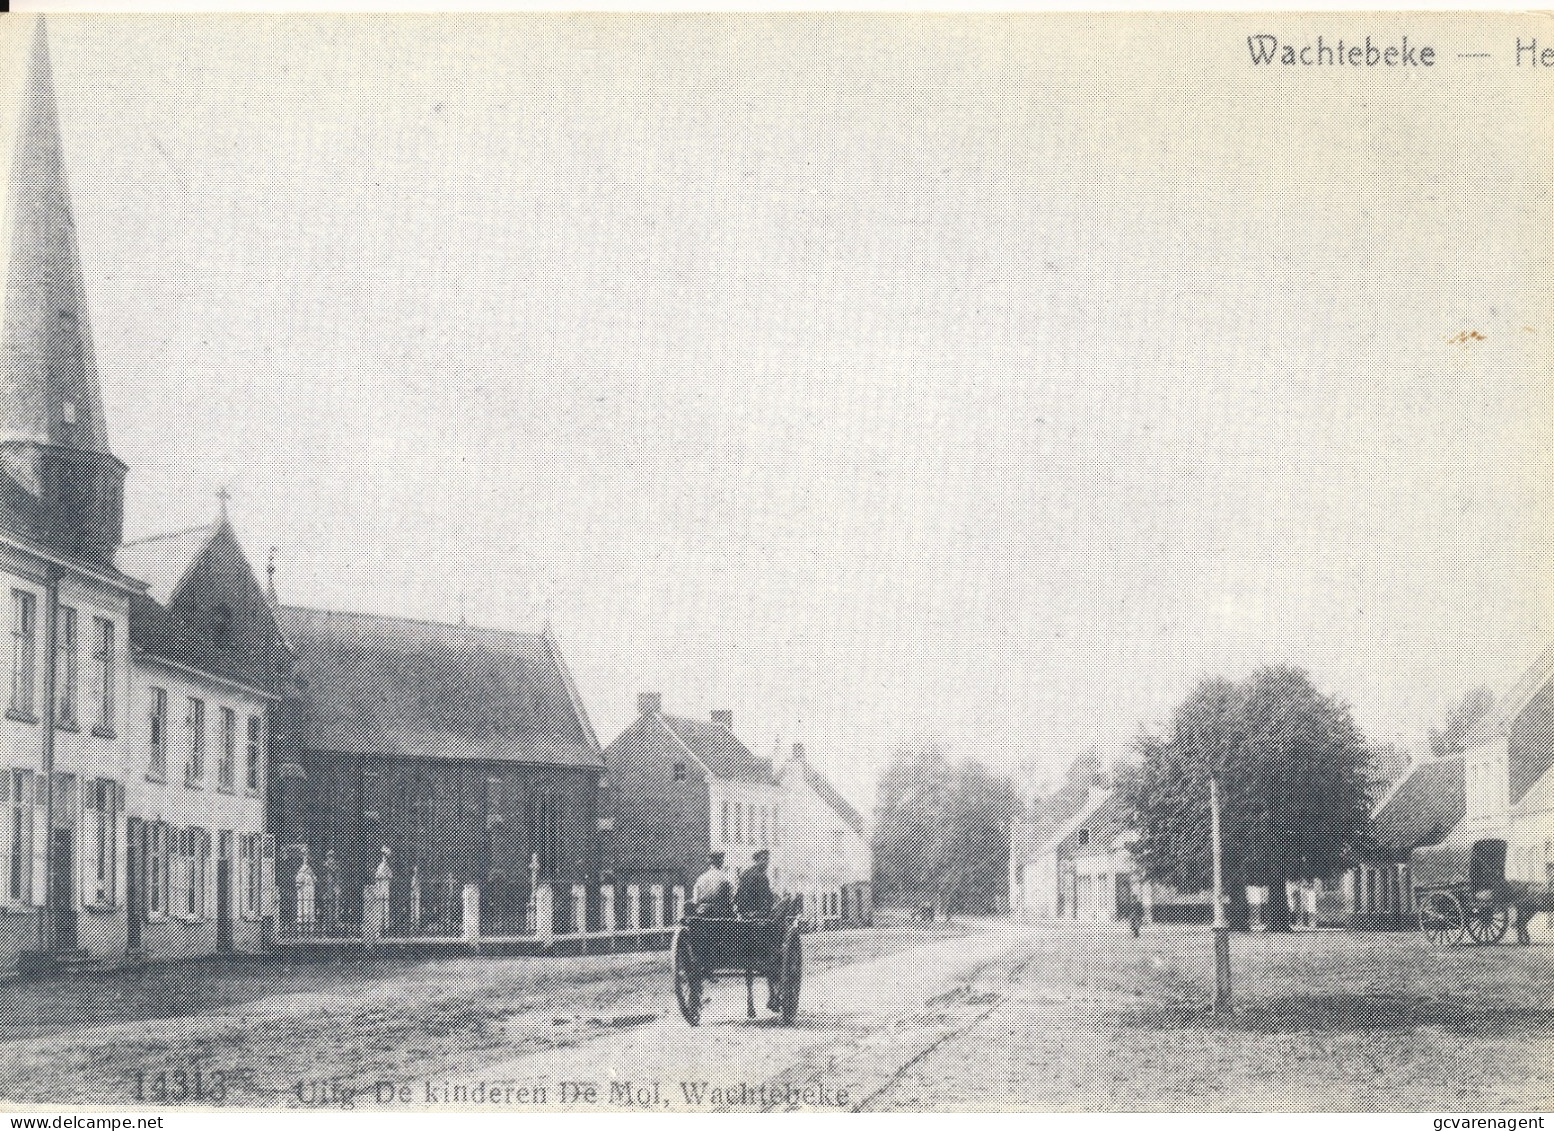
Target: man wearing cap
{"x":713,"y":893}
{"x":754,"y":897}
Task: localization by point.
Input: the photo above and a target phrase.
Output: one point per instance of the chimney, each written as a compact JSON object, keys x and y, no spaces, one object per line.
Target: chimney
{"x":724,"y":719}
{"x":649,"y":702}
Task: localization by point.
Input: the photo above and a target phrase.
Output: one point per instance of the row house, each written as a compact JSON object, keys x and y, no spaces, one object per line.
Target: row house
{"x":682,"y":788}
{"x":1501,"y":785}
{"x":1084,"y":870}
{"x":133,"y":716}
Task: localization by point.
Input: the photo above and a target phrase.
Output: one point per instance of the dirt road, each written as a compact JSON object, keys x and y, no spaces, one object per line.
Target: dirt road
{"x":997,"y":1017}
{"x":1045,"y":1018}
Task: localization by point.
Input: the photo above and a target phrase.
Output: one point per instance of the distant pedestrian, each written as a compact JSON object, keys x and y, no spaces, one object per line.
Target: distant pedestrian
{"x":1136,"y":915}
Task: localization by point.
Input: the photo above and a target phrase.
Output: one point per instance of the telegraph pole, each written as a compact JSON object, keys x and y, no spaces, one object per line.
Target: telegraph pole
{"x":1221,"y":925}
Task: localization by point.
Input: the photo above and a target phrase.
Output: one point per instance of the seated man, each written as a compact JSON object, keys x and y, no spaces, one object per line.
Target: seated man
{"x":713,"y":893}
{"x":754,"y":898}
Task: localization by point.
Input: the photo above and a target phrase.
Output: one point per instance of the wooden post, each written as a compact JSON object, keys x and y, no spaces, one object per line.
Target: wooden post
{"x":1221,"y":925}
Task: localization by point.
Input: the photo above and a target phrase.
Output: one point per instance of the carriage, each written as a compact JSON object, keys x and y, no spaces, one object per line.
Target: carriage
{"x":705,"y":946}
{"x":1462,"y":893}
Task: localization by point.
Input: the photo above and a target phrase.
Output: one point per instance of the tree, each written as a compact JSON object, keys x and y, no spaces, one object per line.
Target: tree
{"x":1294,"y":775}
{"x":942,"y":832}
{"x":1461,"y":717}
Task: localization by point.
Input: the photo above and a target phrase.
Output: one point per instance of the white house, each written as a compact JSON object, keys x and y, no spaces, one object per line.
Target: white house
{"x":830,"y":860}
{"x":105,"y":847}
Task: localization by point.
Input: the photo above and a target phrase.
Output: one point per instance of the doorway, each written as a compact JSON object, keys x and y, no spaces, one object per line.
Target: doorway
{"x":62,"y":887}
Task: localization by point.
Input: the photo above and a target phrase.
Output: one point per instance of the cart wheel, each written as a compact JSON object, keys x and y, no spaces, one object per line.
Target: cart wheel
{"x":792,"y":975}
{"x":1441,"y":918}
{"x":1487,"y":923}
{"x":687,"y":978}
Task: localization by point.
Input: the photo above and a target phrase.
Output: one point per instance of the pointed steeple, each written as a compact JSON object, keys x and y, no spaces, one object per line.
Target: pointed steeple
{"x":61,"y":484}
{"x":51,"y":389}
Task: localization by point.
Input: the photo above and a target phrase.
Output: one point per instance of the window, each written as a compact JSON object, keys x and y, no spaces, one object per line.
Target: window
{"x":1083,"y":838}
{"x":723,"y":824}
{"x":679,"y":771}
{"x":255,"y":752}
{"x":157,"y":767}
{"x":24,"y":650}
{"x":105,"y":665}
{"x":765,"y":827}
{"x":739,"y":822}
{"x":221,"y":625}
{"x":66,"y":678}
{"x":99,"y":876}
{"x":226,"y":770}
{"x":19,"y":881}
{"x":194,"y":767}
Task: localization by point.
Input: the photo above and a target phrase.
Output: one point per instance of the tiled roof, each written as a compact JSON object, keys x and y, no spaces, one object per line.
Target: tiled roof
{"x":1424,"y":807}
{"x":162,"y":560}
{"x":374,"y":684}
{"x":724,"y":755}
{"x":817,"y":782}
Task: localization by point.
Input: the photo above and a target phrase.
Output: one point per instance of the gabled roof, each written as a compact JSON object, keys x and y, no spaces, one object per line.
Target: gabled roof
{"x":203,"y":608}
{"x":717,"y":748}
{"x":368,"y":684}
{"x":1498,"y":722}
{"x":163,"y":560}
{"x":1094,"y":801}
{"x":1423,"y":807}
{"x":827,"y":792}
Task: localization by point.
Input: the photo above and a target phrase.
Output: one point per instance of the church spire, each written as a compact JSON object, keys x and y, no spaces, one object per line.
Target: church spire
{"x":60,"y":484}
{"x":51,"y":389}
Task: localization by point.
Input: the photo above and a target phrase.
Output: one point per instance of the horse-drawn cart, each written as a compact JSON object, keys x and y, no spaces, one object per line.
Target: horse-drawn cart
{"x":706,"y":946}
{"x":1462,"y":893}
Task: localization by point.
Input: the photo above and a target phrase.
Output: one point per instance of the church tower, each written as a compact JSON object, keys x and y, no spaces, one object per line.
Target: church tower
{"x":61,"y":487}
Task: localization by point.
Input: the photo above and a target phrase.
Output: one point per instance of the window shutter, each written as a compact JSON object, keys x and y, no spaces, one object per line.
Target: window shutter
{"x":40,"y":835}
{"x":5,"y":837}
{"x":208,"y":911}
{"x":267,"y":877}
{"x":86,"y":843}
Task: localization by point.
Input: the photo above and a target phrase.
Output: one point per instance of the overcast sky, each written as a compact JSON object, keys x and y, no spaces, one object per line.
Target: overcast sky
{"x":992,"y":378}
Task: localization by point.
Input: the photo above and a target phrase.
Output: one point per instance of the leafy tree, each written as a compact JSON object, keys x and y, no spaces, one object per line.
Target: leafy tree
{"x":1461,"y":717}
{"x":1294,"y":782}
{"x":942,"y":831}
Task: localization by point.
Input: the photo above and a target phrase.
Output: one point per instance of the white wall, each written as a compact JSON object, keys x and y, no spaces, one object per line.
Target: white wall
{"x":177,"y":802}
{"x":744,"y":836}
{"x":824,"y":854}
{"x":87,"y":748}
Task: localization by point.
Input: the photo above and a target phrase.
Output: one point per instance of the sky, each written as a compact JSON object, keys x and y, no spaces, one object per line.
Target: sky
{"x":992,"y":378}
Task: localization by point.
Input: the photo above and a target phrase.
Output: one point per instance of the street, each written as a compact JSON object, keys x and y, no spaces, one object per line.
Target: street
{"x":986,"y":1016}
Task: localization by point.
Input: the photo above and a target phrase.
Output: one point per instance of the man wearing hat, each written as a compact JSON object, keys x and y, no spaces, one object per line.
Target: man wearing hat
{"x":754,"y":897}
{"x":713,"y":893}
